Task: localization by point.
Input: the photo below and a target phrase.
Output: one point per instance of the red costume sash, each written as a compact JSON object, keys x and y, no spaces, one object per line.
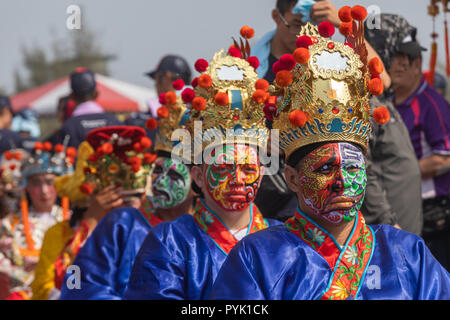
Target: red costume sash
{"x":217,"y":230}
{"x":148,"y":212}
{"x":348,"y":263}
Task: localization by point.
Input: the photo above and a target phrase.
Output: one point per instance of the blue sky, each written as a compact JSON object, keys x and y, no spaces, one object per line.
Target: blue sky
{"x":139,"y":32}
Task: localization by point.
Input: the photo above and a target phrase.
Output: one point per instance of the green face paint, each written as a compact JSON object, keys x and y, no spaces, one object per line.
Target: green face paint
{"x":171,"y":182}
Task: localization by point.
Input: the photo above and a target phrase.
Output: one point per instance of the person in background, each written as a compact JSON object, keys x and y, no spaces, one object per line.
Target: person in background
{"x":426,"y":114}
{"x":393,"y":192}
{"x":63,"y":241}
{"x":170,"y":68}
{"x":87,"y":115}
{"x":8,"y":139}
{"x":440,"y":82}
{"x":38,"y":211}
{"x":25,"y":122}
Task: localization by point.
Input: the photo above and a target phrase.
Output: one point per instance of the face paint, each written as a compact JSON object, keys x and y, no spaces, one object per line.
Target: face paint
{"x":171,"y":182}
{"x":333,"y":180}
{"x":233,"y":177}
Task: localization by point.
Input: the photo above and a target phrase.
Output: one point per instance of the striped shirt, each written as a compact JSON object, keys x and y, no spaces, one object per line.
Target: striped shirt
{"x":427,"y":116}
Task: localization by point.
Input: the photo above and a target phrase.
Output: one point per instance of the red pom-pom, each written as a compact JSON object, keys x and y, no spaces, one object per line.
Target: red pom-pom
{"x":375,"y":66}
{"x":303,"y":42}
{"x":326,"y":29}
{"x":162,"y":112}
{"x":348,"y":44}
{"x":301,"y":55}
{"x":59,"y":148}
{"x":146,"y":142}
{"x":247,"y":32}
{"x":171,"y":97}
{"x":199,"y":103}
{"x":276,"y":67}
{"x":359,"y":13}
{"x":221,"y":99}
{"x":297,"y":118}
{"x":47,"y":146}
{"x":149,"y":158}
{"x":345,"y":14}
{"x":346,"y":28}
{"x":8,"y":154}
{"x":381,"y":115}
{"x":254,"y":62}
{"x":259,"y":96}
{"x":86,"y":188}
{"x":12,"y":166}
{"x":162,"y":98}
{"x":71,"y":152}
{"x":188,"y":95}
{"x":376,"y":86}
{"x":269,"y":110}
{"x":107,"y":148}
{"x":135,"y":163}
{"x":18,"y":155}
{"x":194,"y":82}
{"x":38,"y":146}
{"x":284,"y":78}
{"x":178,"y":84}
{"x":205,"y":81}
{"x":235,"y":52}
{"x":201,"y":65}
{"x":262,"y":84}
{"x":93,"y":158}
{"x":287,"y":61}
{"x":138,"y":147}
{"x":151,"y":124}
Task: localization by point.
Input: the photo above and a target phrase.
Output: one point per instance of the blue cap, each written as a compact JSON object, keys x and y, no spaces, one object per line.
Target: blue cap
{"x":175,"y":64}
{"x":82,"y":81}
{"x":5,"y":103}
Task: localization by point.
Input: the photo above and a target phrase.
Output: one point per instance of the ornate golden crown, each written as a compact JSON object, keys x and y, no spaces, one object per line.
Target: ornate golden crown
{"x":227,"y":99}
{"x":323,"y":89}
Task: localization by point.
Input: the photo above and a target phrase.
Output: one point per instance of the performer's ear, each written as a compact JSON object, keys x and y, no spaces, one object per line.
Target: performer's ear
{"x":197,"y":176}
{"x":292,"y":178}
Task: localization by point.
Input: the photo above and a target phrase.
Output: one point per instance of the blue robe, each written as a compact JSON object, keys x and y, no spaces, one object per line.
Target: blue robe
{"x":276,"y":264}
{"x":106,"y":259}
{"x":178,"y":260}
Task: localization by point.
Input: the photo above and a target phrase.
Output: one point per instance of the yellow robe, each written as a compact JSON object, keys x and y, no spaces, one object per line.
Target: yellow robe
{"x":44,"y":277}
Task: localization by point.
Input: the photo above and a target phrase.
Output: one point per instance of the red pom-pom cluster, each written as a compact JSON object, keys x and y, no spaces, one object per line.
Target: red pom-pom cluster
{"x":381,"y":115}
{"x":178,"y":84}
{"x":151,"y":124}
{"x":253,"y":61}
{"x":201,"y":65}
{"x":247,"y":32}
{"x":303,"y":42}
{"x":235,"y":52}
{"x":326,"y":29}
{"x":287,"y":62}
{"x":297,"y":118}
{"x":188,"y":95}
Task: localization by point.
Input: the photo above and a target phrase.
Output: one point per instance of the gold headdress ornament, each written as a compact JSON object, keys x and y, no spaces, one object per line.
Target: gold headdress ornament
{"x":226,"y":97}
{"x":323,"y":88}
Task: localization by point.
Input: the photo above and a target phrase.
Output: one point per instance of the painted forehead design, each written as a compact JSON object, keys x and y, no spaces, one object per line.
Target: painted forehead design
{"x":235,"y":154}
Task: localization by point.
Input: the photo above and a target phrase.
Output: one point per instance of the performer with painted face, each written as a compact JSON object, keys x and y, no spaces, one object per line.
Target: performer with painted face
{"x":106,"y":259}
{"x":327,"y":251}
{"x":180,"y":259}
{"x":22,"y":231}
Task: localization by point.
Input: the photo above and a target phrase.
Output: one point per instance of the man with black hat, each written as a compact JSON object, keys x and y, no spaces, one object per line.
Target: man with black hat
{"x":169,"y":69}
{"x":88,"y":114}
{"x":393,"y":193}
{"x":427,"y":116}
{"x":8,"y":139}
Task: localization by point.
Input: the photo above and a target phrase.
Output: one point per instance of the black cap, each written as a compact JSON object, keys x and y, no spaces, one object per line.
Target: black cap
{"x":5,"y":103}
{"x":175,"y":64}
{"x":82,"y":81}
{"x":412,"y":49}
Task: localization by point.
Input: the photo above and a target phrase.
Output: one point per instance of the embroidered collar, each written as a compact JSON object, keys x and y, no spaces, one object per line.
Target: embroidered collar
{"x":349,"y":263}
{"x":209,"y":222}
{"x":149,"y":213}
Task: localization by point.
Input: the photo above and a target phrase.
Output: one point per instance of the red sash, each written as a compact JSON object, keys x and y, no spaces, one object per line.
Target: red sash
{"x":348,"y":263}
{"x":148,"y":212}
{"x":217,"y":230}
